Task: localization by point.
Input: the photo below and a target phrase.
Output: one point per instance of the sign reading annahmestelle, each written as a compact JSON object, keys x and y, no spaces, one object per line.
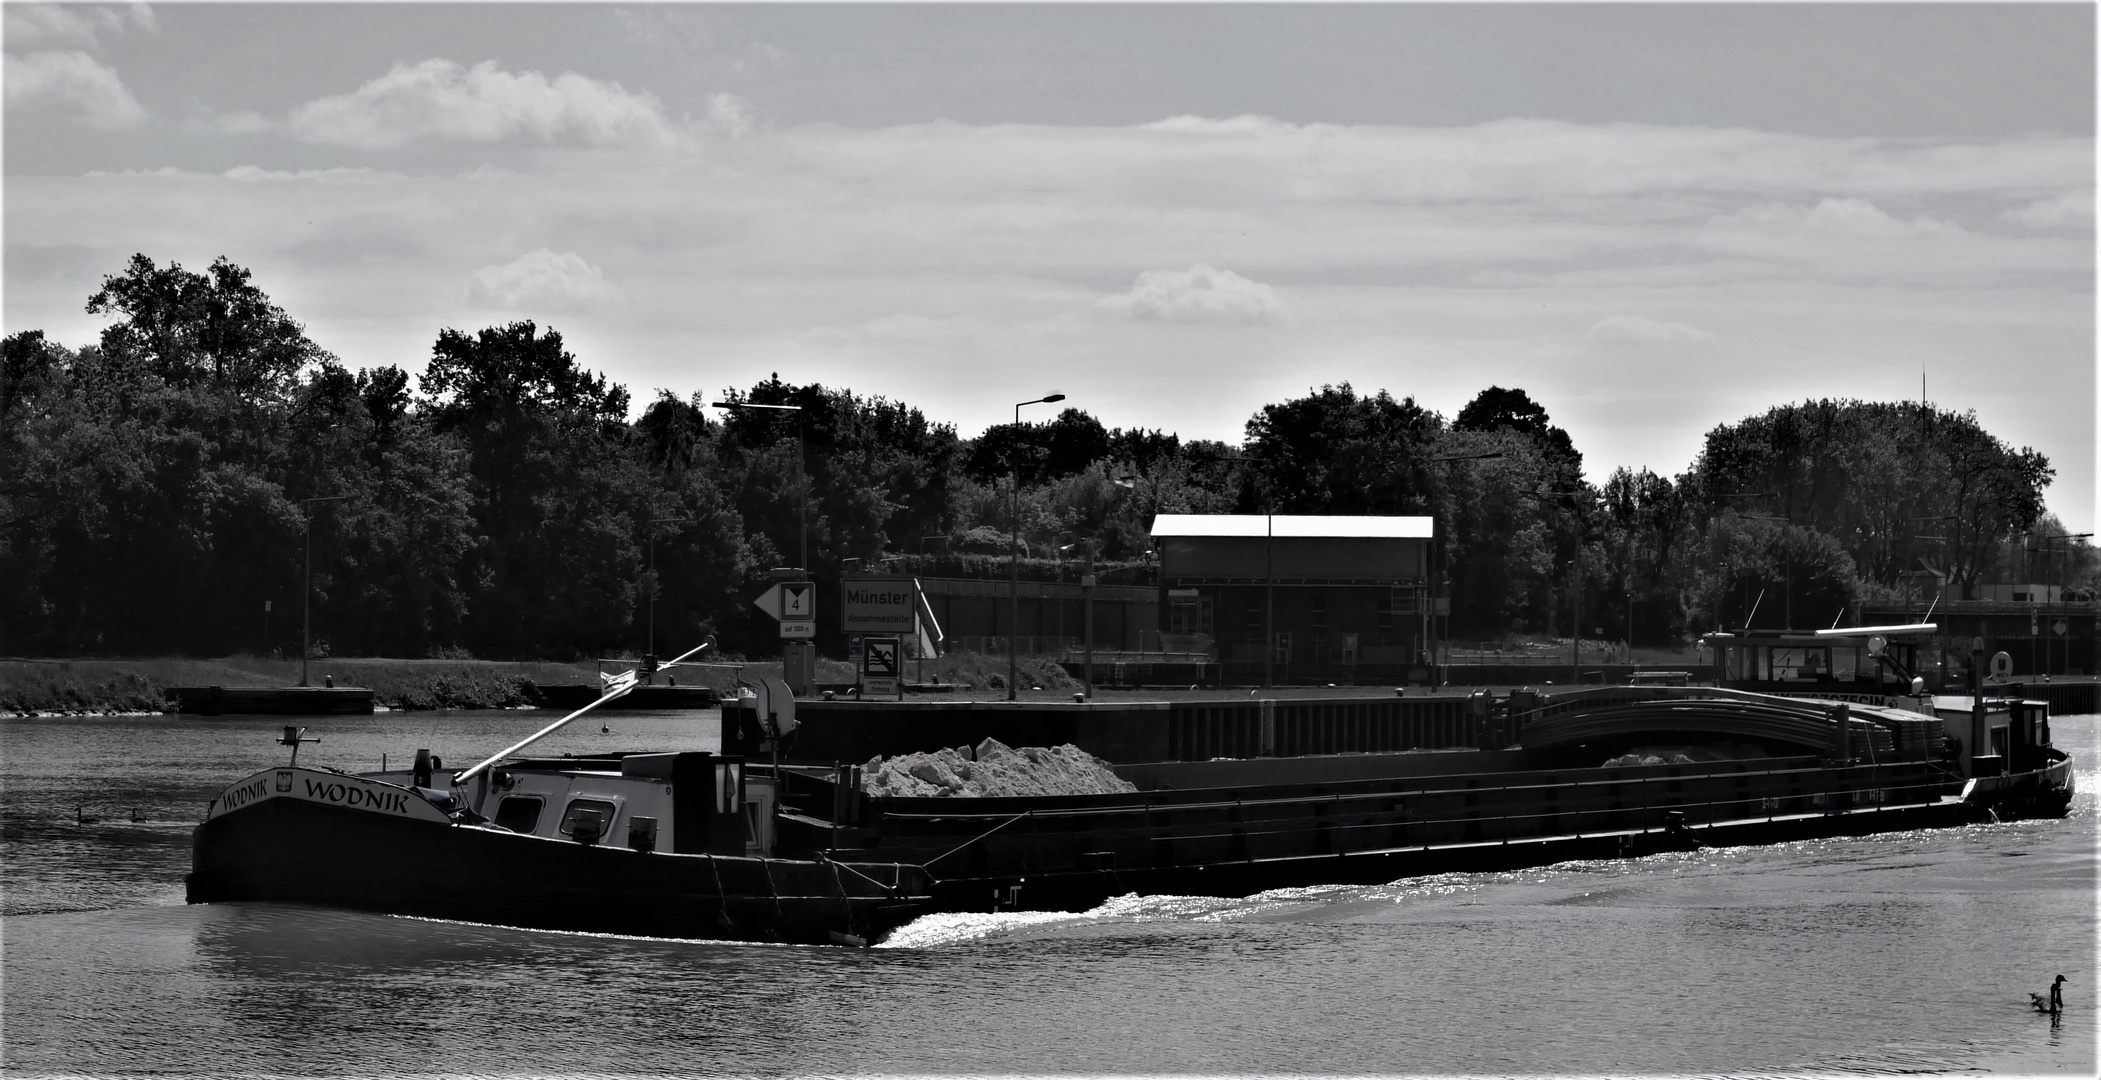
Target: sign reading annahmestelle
{"x":880,"y":605}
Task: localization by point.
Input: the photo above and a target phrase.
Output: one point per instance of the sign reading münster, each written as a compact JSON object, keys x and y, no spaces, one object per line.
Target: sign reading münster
{"x":880,"y":605}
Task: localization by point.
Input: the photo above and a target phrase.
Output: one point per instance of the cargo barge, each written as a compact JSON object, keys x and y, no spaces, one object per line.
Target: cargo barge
{"x":750,"y":844}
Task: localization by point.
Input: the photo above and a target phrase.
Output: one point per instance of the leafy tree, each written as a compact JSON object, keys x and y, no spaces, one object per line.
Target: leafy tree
{"x":1333,"y":452}
{"x":1893,"y":482}
{"x":1497,"y":409}
{"x":1764,"y":573}
{"x":558,"y":497}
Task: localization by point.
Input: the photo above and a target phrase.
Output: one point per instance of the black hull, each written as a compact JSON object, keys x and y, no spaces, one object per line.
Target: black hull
{"x":1080,"y":890}
{"x":1071,"y":853}
{"x":296,"y":852}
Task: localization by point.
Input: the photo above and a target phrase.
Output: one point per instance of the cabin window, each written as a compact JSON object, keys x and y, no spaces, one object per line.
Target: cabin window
{"x":1800,"y":663}
{"x":519,"y":813}
{"x":580,"y":808}
{"x":1845,"y":664}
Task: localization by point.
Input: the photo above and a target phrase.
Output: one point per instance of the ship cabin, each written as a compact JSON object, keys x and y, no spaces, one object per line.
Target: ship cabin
{"x":684,"y":803}
{"x":1869,"y":661}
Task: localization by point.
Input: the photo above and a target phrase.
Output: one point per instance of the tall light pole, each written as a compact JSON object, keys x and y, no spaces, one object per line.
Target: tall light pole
{"x":306,"y":588}
{"x":802,"y":484}
{"x":2050,"y":569}
{"x":651,"y":650}
{"x":1014,"y":580}
{"x":1445,"y":568}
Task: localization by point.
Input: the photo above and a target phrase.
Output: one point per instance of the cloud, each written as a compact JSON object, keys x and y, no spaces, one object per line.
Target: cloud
{"x":2075,"y":208}
{"x":255,"y":174}
{"x":541,"y":279}
{"x":439,"y":99}
{"x":72,"y":83}
{"x":233,"y":123}
{"x":1642,"y":330}
{"x":71,"y":24}
{"x":1199,"y":294}
{"x":730,"y":115}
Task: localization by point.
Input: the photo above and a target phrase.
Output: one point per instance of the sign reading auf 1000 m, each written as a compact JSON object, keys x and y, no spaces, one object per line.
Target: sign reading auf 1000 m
{"x":880,"y":605}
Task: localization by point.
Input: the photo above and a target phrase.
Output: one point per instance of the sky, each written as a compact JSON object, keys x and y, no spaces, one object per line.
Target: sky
{"x":1654,"y":218}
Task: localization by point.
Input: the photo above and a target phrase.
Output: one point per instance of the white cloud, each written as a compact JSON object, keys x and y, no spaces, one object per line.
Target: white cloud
{"x":71,"y":24}
{"x":72,"y":83}
{"x":255,"y":174}
{"x":730,"y":115}
{"x":1646,"y":331}
{"x":1199,"y":294}
{"x":541,"y":279}
{"x":233,"y":123}
{"x":2072,"y":208}
{"x":439,"y":99}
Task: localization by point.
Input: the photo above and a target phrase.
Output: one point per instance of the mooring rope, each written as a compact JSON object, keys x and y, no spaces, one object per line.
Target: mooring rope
{"x":837,"y":866}
{"x":978,"y":837}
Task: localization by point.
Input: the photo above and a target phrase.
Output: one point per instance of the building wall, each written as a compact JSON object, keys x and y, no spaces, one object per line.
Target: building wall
{"x":1052,"y":614}
{"x":1346,"y":609}
{"x":1298,"y":558}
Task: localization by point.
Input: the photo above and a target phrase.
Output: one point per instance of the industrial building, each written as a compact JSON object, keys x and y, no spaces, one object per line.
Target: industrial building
{"x":1337,"y":599}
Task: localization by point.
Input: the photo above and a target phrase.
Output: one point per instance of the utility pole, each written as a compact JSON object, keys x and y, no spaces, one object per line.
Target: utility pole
{"x":306,"y":589}
{"x":1014,"y":582}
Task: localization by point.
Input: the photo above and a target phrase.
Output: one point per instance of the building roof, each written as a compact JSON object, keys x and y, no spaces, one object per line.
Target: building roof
{"x":1294,"y":525}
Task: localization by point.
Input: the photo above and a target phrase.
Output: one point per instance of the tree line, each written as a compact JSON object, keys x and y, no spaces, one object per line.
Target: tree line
{"x":167,"y":488}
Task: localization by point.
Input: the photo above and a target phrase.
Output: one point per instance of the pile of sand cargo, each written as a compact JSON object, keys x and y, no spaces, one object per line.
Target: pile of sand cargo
{"x":993,"y":770}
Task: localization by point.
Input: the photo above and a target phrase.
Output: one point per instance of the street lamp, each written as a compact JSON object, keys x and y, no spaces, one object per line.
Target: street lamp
{"x":2049,"y":550}
{"x":652,"y":649}
{"x":1269,"y":572}
{"x":1445,"y":565}
{"x":1014,"y":581}
{"x":802,"y":486}
{"x":306,"y":589}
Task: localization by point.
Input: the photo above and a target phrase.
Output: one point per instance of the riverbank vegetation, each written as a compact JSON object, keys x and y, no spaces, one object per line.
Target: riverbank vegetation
{"x":163,"y":489}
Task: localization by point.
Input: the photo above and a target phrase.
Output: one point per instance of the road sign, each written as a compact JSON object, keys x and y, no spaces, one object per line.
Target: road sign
{"x":789,"y":600}
{"x":2059,"y":627}
{"x":879,"y":657}
{"x":798,"y":629}
{"x":879,"y":605}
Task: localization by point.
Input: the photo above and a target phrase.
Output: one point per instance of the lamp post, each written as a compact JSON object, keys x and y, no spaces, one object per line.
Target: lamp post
{"x":306,"y":588}
{"x":1014,"y":579}
{"x":2050,"y":567}
{"x":802,"y":485}
{"x":651,"y":650}
{"x":1445,"y":565}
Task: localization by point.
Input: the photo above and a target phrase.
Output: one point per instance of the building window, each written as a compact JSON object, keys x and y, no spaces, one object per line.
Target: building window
{"x":1385,"y":610}
{"x":1320,"y":611}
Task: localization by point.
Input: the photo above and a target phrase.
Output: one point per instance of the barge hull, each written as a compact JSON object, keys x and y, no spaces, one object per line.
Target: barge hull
{"x":289,"y":851}
{"x":1080,"y":890}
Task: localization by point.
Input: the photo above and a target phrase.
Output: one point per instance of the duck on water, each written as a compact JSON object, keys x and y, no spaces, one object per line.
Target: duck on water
{"x":2051,"y":1001}
{"x":743,"y":845}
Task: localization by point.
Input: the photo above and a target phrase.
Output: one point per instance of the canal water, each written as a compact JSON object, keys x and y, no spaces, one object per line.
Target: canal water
{"x":1903,"y":952}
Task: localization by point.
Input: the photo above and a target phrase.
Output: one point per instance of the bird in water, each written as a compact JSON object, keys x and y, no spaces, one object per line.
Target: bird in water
{"x":605,"y":729}
{"x":2053,"y":1001}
